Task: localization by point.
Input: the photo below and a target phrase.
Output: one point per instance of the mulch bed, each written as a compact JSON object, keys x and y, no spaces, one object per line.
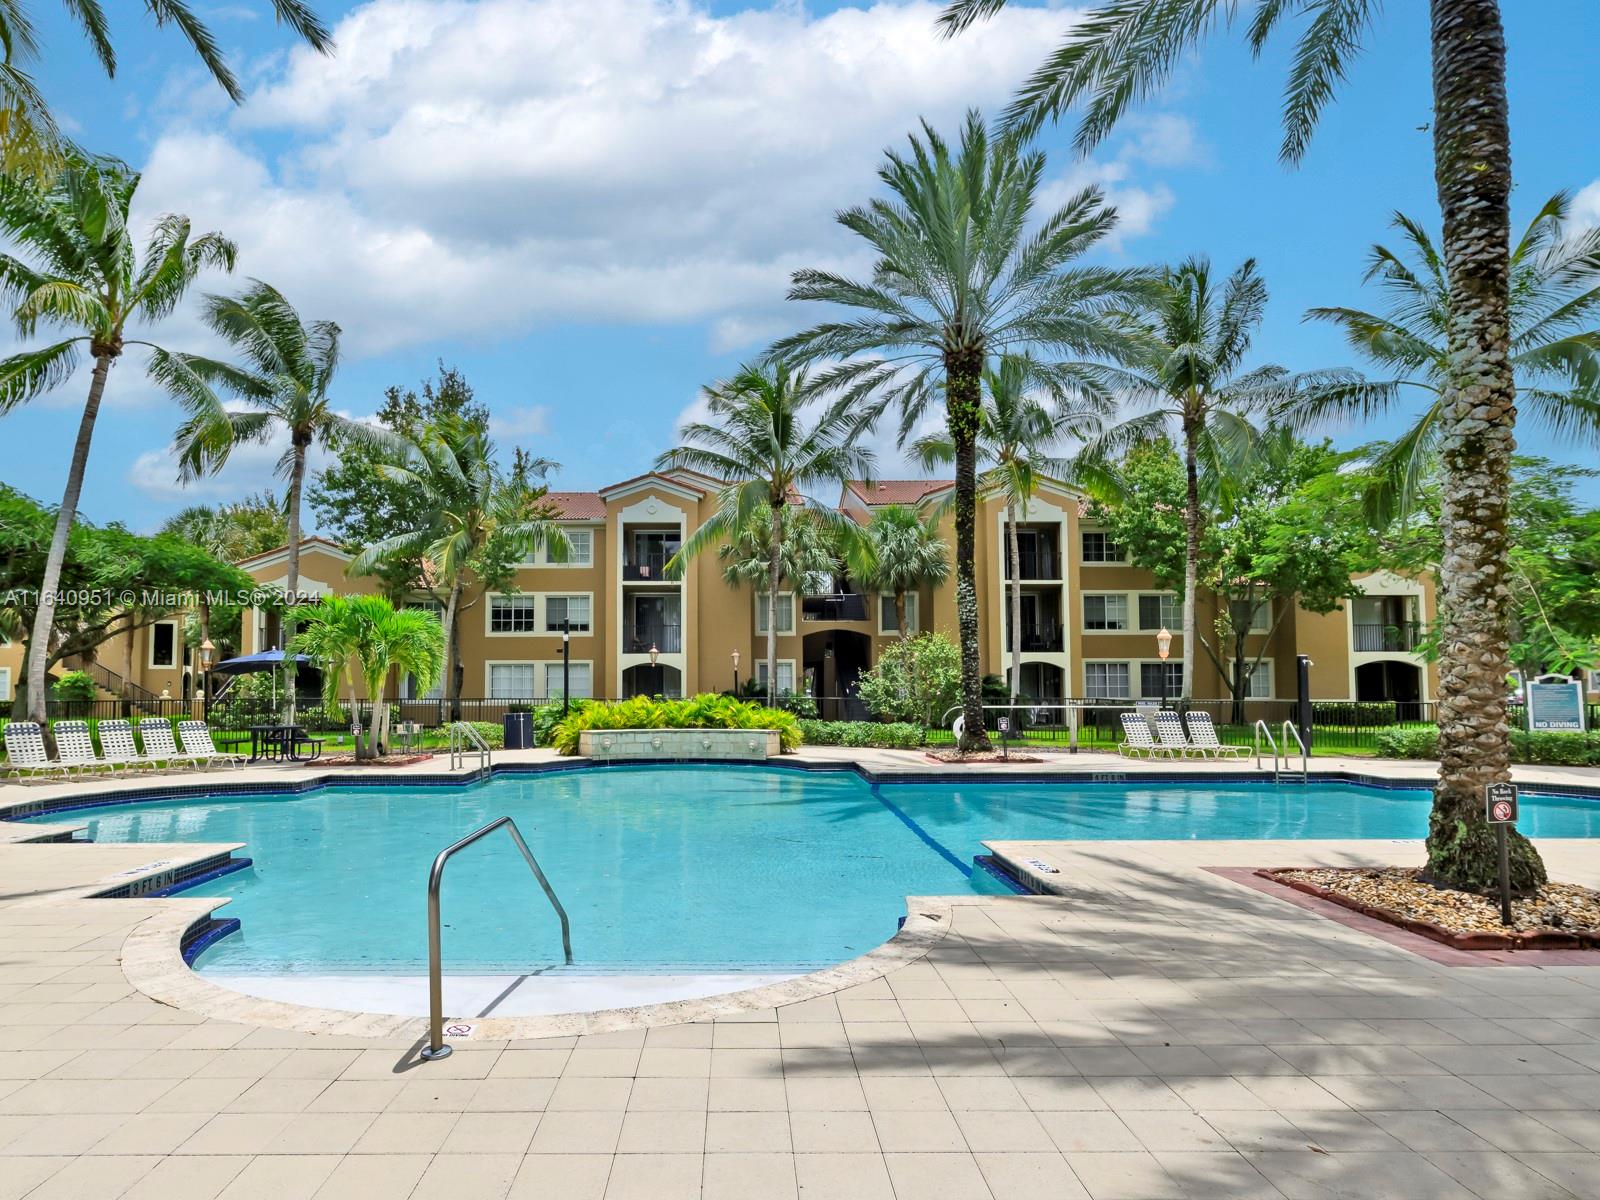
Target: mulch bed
{"x":992,"y":756}
{"x":388,"y":760}
{"x":1560,"y":916}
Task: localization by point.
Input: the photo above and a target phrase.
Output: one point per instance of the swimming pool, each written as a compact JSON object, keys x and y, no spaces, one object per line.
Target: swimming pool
{"x":686,"y":868}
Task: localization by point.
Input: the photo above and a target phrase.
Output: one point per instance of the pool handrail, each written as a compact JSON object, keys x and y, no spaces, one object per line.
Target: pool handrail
{"x":436,"y":1047}
{"x":464,"y":740}
{"x":1263,"y":728}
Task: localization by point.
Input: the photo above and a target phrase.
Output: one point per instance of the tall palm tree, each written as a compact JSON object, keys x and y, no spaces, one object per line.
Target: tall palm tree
{"x":1017,"y":435}
{"x":907,"y":553}
{"x":477,"y":523}
{"x":73,"y":265}
{"x":30,"y":141}
{"x":280,"y":388}
{"x":328,"y":636}
{"x":1187,"y":374}
{"x":964,"y":271}
{"x":1555,"y":344}
{"x":1125,"y":49}
{"x":760,"y":439}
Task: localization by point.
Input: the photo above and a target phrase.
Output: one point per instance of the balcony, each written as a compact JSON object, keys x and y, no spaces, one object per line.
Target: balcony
{"x":1370,"y":638}
{"x":1042,"y":639}
{"x":666,"y":638}
{"x":1035,"y":564}
{"x":844,"y":606}
{"x":650,"y":566}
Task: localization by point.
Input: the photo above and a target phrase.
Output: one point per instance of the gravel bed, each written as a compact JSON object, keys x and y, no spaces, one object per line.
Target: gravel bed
{"x":1558,"y":907}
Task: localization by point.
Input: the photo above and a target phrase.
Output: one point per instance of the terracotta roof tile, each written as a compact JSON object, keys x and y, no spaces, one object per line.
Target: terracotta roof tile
{"x":898,"y":491}
{"x":577,"y":506}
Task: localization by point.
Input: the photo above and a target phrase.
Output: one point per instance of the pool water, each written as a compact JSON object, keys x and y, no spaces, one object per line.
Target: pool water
{"x":686,"y":868}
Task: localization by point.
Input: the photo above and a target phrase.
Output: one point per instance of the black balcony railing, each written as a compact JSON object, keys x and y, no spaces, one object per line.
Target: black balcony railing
{"x":1403,"y":637}
{"x":1036,"y":564}
{"x":666,"y":638}
{"x":650,"y":564}
{"x":1044,"y":638}
{"x":846,"y":606}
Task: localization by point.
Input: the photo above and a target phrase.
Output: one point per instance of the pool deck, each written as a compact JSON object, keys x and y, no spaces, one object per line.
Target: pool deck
{"x":1162,"y":1028}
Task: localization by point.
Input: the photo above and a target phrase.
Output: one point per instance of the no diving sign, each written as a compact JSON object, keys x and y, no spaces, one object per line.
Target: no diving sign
{"x":1500,"y":803}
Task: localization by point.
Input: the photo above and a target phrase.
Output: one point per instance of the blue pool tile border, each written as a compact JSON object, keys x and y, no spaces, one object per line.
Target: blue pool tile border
{"x":206,"y":935}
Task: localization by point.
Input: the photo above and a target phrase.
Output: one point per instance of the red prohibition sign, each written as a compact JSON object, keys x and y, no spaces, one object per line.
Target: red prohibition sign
{"x":1501,"y":810}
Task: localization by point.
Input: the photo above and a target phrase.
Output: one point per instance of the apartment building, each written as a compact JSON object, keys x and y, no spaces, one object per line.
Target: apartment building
{"x":1089,"y":619}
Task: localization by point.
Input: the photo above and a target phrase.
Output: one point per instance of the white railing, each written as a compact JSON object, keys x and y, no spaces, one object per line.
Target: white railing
{"x":465,"y":740}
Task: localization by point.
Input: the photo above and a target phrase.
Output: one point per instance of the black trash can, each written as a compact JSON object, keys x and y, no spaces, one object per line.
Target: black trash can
{"x":519,"y":731}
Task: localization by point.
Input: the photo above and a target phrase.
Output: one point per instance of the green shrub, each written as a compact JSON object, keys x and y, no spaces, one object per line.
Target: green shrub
{"x":74,"y":685}
{"x":706,"y":711}
{"x":492,"y":732}
{"x":915,"y":680}
{"x":1421,"y":742}
{"x":896,"y":735}
{"x":1543,"y":749}
{"x":547,"y":716}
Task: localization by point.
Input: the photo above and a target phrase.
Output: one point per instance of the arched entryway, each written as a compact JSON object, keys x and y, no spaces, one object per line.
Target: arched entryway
{"x":1394,"y":681}
{"x":833,"y":661}
{"x":645,"y":680}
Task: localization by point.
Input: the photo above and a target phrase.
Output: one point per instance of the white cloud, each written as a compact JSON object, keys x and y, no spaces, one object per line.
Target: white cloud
{"x":531,"y":420}
{"x":1585,"y":209}
{"x":469,"y":170}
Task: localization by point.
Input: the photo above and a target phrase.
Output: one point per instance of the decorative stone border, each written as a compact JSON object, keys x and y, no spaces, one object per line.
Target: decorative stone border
{"x":1516,"y":940}
{"x":636,"y":745}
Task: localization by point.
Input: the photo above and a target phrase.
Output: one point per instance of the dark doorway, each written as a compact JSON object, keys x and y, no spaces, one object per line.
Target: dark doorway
{"x":1399,"y":683}
{"x":834,"y":661}
{"x":645,"y":680}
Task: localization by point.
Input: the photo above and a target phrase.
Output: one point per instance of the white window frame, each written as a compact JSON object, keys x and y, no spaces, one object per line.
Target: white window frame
{"x":544,"y":613}
{"x":1173,"y":692}
{"x":408,"y":683}
{"x":761,"y":674}
{"x":552,"y":687}
{"x":488,"y":677}
{"x":1100,"y":562}
{"x":177,"y":647}
{"x":1265,"y":669}
{"x":760,"y":612}
{"x":488,"y":615}
{"x":1263,"y":613}
{"x":1166,"y":598}
{"x":542,"y":557}
{"x":913,"y":613}
{"x":1125,"y":627}
{"x":1594,"y":679}
{"x":1108,"y":662}
{"x":5,"y":683}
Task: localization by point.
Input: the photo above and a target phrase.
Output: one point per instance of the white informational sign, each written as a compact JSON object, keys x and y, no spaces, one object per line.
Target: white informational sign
{"x":1555,"y":705}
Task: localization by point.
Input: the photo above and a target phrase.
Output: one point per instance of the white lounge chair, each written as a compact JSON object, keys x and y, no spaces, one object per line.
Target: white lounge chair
{"x":1136,"y":739}
{"x":118,"y":746}
{"x":25,"y":753}
{"x":75,"y":747}
{"x":156,"y":734}
{"x":1203,"y":736}
{"x":197,"y":743}
{"x":1169,"y":732}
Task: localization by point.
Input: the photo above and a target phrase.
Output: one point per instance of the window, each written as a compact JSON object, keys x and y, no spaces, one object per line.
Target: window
{"x":580,"y":551}
{"x":785,"y":674}
{"x":1160,"y":610}
{"x":1258,"y":680}
{"x":1260,"y":618}
{"x":566,"y":608}
{"x":1150,"y":680}
{"x":1105,"y":612}
{"x":1099,"y":548}
{"x":785,"y":612}
{"x":511,"y":681}
{"x":886,"y":615}
{"x":164,"y":644}
{"x":1105,"y":680}
{"x":5,"y":683}
{"x":409,"y":691}
{"x":510,"y":614}
{"x":580,"y":676}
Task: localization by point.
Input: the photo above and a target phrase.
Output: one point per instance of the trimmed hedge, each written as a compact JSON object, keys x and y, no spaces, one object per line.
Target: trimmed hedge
{"x":698,"y":712}
{"x":895,"y":735}
{"x":1540,"y":749}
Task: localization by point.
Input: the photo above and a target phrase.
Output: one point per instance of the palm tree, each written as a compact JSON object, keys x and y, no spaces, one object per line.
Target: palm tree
{"x":907,"y":553}
{"x":477,"y":522}
{"x":1121,"y":52}
{"x":759,"y":438}
{"x":1192,"y":341}
{"x":328,"y":637}
{"x":73,"y":265}
{"x":963,"y":273}
{"x":1016,"y":435}
{"x":281,"y":388}
{"x":1555,"y":344}
{"x":30,"y":141}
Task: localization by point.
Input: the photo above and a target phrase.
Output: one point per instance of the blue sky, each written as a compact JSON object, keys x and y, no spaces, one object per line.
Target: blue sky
{"x":592,"y":206}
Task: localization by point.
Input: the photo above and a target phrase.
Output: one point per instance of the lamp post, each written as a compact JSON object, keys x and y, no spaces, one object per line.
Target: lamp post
{"x":735,"y":657}
{"x":1164,"y":648}
{"x":208,"y":651}
{"x":566,"y":666}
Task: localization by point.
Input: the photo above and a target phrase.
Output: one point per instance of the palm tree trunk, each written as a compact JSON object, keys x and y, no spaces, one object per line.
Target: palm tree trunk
{"x":900,"y":615}
{"x":45,"y":616}
{"x":963,"y":409}
{"x":452,"y":686}
{"x":297,"y":480}
{"x":1014,"y":553}
{"x":1472,"y":173}
{"x":774,"y":579}
{"x":1191,"y":553}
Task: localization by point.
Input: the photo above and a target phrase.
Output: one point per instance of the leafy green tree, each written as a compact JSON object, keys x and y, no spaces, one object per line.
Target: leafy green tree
{"x":915,"y":679}
{"x":30,"y":140}
{"x":907,"y":553}
{"x":228,"y":533}
{"x":473,"y":522}
{"x":357,"y":502}
{"x":1120,"y":52}
{"x":74,"y":266}
{"x":966,"y":269}
{"x":1017,"y":436}
{"x":1555,"y":345}
{"x":758,"y":437}
{"x":281,"y":387}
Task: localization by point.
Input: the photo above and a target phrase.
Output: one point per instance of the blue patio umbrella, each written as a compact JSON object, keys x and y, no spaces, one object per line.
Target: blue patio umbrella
{"x":249,"y":664}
